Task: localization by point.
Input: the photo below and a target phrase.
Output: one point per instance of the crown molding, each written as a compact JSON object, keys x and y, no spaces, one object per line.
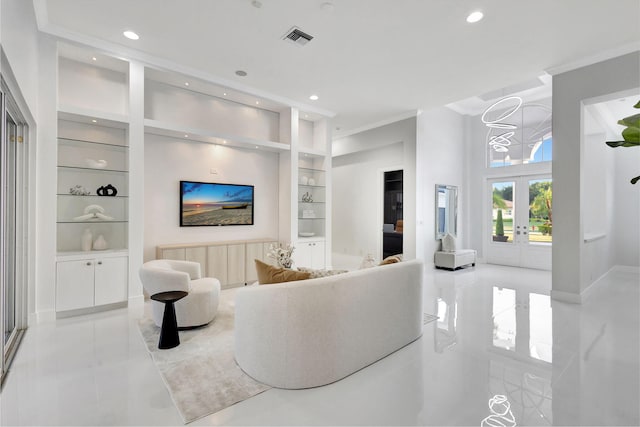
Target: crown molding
{"x":593,"y":59}
{"x":383,"y":122}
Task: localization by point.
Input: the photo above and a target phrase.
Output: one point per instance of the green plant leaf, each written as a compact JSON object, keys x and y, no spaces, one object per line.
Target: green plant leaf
{"x":630,"y":121}
{"x":634,"y":180}
{"x":637,"y":105}
{"x":631,"y":135}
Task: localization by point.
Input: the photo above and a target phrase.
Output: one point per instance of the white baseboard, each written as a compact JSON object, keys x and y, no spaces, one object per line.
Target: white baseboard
{"x":136,"y":301}
{"x":45,"y":316}
{"x":626,"y":269}
{"x":566,"y":297}
{"x":586,"y":293}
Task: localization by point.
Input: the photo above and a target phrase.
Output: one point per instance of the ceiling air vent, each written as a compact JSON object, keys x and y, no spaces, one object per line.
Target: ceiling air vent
{"x":297,"y":36}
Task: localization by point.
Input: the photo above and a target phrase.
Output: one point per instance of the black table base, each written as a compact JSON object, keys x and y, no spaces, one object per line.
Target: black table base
{"x":169,"y":337}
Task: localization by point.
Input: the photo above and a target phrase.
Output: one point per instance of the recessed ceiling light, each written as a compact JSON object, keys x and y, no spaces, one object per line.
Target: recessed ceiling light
{"x":257,"y":102}
{"x":241,"y":73}
{"x":225,"y":93}
{"x":475,"y":16}
{"x":94,"y":58}
{"x":224,"y":141}
{"x":186,"y":136}
{"x":186,"y":83}
{"x":257,"y":146}
{"x":94,"y":120}
{"x":313,"y":97}
{"x":131,"y":35}
{"x":256,"y":4}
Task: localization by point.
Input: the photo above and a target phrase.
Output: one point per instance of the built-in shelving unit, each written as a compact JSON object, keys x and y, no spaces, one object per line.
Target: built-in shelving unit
{"x":92,"y":234}
{"x":110,"y":110}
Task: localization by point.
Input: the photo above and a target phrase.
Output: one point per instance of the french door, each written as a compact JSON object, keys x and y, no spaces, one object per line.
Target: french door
{"x":520,"y":221}
{"x":13,"y":226}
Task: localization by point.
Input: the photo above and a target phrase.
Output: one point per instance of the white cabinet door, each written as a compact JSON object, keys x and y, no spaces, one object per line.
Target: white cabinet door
{"x":74,"y":285}
{"x":235,"y":264}
{"x":317,"y":255}
{"x":302,"y":255}
{"x":111,"y":280}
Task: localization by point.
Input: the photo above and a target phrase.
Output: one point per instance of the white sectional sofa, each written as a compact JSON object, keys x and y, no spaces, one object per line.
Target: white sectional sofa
{"x":314,"y":332}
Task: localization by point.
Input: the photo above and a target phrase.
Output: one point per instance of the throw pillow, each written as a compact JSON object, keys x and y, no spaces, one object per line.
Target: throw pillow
{"x":391,"y":259}
{"x":448,"y":243}
{"x":320,"y":273}
{"x":268,"y":274}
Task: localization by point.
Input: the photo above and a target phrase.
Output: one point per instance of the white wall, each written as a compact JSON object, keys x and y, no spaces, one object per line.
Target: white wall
{"x":176,"y":105}
{"x":600,"y":217}
{"x":357,"y":198}
{"x":19,"y":36}
{"x":626,"y":207}
{"x":21,"y":68}
{"x":402,"y":136}
{"x":168,"y":160}
{"x":441,"y":157}
{"x":569,"y":90}
{"x":93,"y":88}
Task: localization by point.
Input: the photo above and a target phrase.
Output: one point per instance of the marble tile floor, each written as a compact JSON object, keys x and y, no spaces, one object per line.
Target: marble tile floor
{"x":498,"y":334}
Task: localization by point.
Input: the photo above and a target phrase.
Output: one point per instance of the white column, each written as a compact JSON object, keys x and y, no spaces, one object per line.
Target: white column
{"x":136,"y":179}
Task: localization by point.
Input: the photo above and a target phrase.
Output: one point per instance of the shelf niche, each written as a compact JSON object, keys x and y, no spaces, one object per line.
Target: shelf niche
{"x":80,"y":145}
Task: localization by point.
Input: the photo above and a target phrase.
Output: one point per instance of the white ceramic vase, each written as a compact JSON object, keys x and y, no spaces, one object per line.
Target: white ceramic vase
{"x":100,"y":244}
{"x":312,"y":181}
{"x":304,"y":180}
{"x":86,"y":240}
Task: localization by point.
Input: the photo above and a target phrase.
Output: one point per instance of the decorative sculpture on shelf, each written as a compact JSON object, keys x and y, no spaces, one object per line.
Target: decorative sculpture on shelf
{"x":107,"y":190}
{"x":93,"y":212}
{"x":96,"y":164}
{"x":307,"y":198}
{"x":79,"y":190}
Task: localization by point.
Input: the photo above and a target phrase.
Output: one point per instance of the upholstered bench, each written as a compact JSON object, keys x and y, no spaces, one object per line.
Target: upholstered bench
{"x":455,"y":259}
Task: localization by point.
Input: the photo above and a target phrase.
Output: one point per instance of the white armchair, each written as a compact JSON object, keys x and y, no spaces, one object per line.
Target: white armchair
{"x":196,"y":309}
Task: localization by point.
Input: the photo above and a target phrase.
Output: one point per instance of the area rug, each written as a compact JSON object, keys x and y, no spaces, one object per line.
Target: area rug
{"x":201,"y":373}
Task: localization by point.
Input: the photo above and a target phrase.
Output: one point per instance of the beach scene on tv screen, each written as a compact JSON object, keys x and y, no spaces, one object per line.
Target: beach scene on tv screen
{"x":216,"y":204}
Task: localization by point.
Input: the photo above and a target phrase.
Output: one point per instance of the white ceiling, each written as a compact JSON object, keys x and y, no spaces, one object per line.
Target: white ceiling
{"x":371,"y":60}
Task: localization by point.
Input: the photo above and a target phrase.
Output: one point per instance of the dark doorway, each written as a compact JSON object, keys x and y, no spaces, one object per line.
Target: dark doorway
{"x":392,"y":217}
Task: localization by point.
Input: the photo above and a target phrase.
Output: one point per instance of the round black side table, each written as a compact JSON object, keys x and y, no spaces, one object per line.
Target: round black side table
{"x":169,"y":331}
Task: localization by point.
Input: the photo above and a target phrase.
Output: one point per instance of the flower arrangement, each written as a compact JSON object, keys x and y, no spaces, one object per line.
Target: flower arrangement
{"x":282,"y":254}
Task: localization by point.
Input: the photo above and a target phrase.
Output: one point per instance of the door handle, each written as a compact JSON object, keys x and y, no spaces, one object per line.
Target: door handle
{"x":518,"y":232}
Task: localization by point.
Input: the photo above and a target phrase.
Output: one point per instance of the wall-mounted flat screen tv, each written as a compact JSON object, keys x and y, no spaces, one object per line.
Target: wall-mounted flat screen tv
{"x":208,"y":203}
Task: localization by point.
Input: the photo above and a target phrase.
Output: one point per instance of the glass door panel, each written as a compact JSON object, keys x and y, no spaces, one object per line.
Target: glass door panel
{"x":540,"y":210}
{"x":503,"y":211}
